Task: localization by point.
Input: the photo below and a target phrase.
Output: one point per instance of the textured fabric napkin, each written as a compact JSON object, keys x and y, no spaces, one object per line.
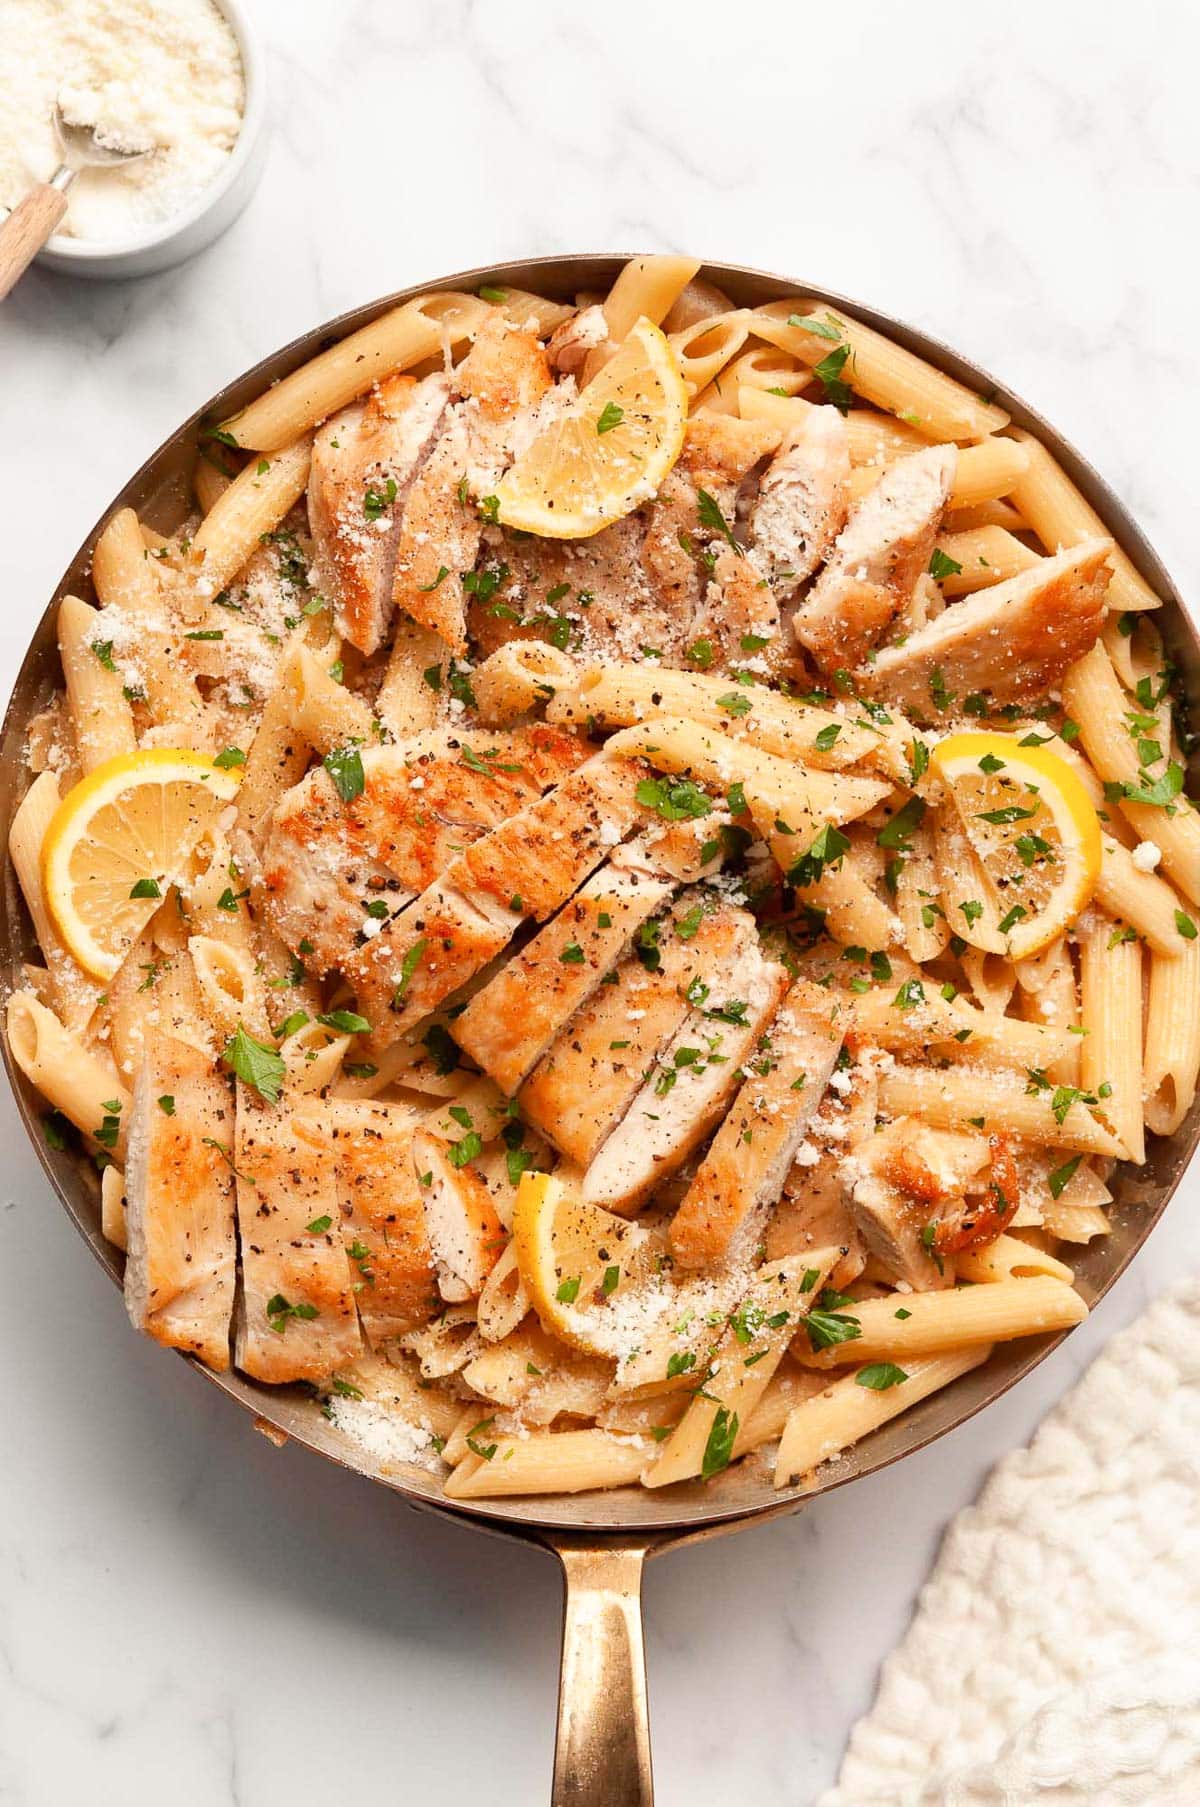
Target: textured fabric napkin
{"x":1054,"y":1659}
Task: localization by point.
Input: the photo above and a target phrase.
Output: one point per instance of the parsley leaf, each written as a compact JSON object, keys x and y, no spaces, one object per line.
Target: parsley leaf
{"x":879,"y":1376}
{"x":709,"y":512}
{"x":941,"y":566}
{"x":721,"y":1438}
{"x":254,"y":1064}
{"x":345,"y":767}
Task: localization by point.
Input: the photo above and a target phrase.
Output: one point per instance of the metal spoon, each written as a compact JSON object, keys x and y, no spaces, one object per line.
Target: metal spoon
{"x":33,"y":220}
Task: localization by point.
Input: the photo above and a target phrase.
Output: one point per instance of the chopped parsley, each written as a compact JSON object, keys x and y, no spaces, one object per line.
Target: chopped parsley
{"x":255,"y":1064}
{"x":345,"y":767}
{"x":879,"y":1376}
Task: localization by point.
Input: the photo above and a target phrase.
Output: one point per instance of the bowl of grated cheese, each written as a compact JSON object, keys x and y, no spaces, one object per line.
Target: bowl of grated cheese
{"x":181,"y":78}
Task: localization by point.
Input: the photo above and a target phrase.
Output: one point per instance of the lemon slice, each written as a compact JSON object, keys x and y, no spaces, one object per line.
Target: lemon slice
{"x":575,"y":1259}
{"x":611,"y":452}
{"x":118,"y":839}
{"x":1032,"y":840}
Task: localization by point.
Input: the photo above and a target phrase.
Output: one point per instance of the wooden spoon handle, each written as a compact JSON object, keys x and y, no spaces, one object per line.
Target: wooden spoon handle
{"x":26,"y":230}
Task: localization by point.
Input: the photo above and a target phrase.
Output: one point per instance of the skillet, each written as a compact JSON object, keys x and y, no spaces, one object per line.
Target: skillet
{"x":602,"y":1541}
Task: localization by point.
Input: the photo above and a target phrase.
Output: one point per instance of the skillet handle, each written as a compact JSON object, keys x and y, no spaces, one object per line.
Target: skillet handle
{"x":602,"y":1752}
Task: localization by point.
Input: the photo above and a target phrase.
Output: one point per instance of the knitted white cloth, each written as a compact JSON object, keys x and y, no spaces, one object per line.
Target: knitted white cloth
{"x":1054,"y":1659}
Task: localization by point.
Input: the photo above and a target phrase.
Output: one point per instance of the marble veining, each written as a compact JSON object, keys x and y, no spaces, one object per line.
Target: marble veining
{"x":185,"y":1612}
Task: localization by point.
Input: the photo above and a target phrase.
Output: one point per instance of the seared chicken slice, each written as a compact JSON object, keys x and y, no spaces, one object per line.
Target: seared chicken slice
{"x":570,"y":343}
{"x":504,"y":375}
{"x":690,"y":1088}
{"x":898,"y":1183}
{"x":1014,"y":641}
{"x":718,"y":455}
{"x":753,"y":1150}
{"x":883,"y":550}
{"x":587,"y":1080}
{"x":527,"y":867}
{"x":381,"y":1216}
{"x":297,"y":1318}
{"x":464,"y":1232}
{"x":802,"y":501}
{"x":363,"y":462}
{"x":181,"y":1266}
{"x":507,"y":1027}
{"x":738,"y":621}
{"x":813,"y":1214}
{"x":584,"y":596}
{"x":328,"y":865}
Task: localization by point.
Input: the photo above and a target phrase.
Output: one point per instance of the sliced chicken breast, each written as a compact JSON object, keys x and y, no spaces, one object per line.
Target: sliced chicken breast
{"x":570,"y":343}
{"x":588,"y":597}
{"x":897,"y":1184}
{"x":507,"y":1027}
{"x":504,"y":375}
{"x":297,"y":1318}
{"x":738,"y":621}
{"x":181,"y":1264}
{"x":813,"y":1214}
{"x":802,"y":501}
{"x":363,"y":462}
{"x":527,"y":867}
{"x":589,"y":1077}
{"x":882,"y":551}
{"x":465,"y":1234}
{"x":693,"y":1081}
{"x":718,"y":456}
{"x":381,"y":1216}
{"x":1014,"y":641}
{"x":752,"y":1152}
{"x":329,"y":866}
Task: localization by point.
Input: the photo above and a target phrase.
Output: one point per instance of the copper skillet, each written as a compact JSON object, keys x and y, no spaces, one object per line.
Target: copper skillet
{"x":602,"y":1757}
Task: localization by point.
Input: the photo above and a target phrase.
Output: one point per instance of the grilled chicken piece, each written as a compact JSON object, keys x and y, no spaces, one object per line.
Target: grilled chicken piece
{"x":897,"y":1183}
{"x":587,"y":1080}
{"x":181,"y":1267}
{"x":738,"y":609}
{"x":507,"y":1027}
{"x":297,"y":1319}
{"x":718,"y":455}
{"x":813,"y":1214}
{"x":326,"y":862}
{"x":753,"y":1150}
{"x":504,"y":375}
{"x":802,"y":501}
{"x":527,"y":867}
{"x":1014,"y":641}
{"x":592,"y":594}
{"x":381,"y":1215}
{"x":357,"y":457}
{"x":882,"y":551}
{"x":689,"y":1091}
{"x":570,"y":343}
{"x":464,"y":1232}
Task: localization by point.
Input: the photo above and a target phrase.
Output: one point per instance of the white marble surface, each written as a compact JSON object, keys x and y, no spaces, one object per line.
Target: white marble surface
{"x":186,"y":1613}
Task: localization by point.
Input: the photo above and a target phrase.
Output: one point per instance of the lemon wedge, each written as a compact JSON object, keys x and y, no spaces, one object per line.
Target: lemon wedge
{"x":575,"y":1259}
{"x":590,"y":466}
{"x":119,"y":839}
{"x":1032,"y":840}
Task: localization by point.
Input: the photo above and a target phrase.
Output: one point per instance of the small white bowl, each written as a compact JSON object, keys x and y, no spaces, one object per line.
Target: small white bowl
{"x":209,"y":214}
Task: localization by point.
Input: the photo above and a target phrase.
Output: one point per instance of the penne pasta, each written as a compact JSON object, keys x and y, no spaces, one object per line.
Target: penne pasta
{"x":395,"y":341}
{"x":843,"y":1414}
{"x":1060,"y":517}
{"x":954,"y":1319}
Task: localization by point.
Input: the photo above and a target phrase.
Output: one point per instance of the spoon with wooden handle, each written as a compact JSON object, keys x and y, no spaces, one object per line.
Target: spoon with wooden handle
{"x":33,"y":219}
